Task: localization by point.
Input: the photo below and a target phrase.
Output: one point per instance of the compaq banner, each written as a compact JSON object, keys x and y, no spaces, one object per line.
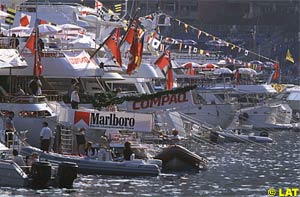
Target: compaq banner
{"x":114,"y":120}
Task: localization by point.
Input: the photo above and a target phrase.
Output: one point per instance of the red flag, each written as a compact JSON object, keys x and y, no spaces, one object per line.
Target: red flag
{"x":25,"y":20}
{"x":130,"y":35}
{"x":31,"y":43}
{"x":170,"y":79}
{"x":163,"y":60}
{"x":277,"y":71}
{"x":112,"y":44}
{"x":136,"y":51}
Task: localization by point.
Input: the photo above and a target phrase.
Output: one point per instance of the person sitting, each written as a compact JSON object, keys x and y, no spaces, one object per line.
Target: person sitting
{"x":20,"y":91}
{"x":18,"y":159}
{"x":104,"y":153}
{"x":34,"y":157}
{"x":128,"y":153}
{"x":80,"y":138}
{"x":175,"y":136}
{"x":90,"y":150}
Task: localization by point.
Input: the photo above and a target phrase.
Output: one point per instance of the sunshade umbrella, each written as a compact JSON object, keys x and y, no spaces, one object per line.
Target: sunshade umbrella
{"x":209,"y":67}
{"x":246,"y":71}
{"x":190,"y":65}
{"x":83,"y":43}
{"x":257,"y":62}
{"x":19,"y":31}
{"x":71,"y":27}
{"x":49,"y":29}
{"x":219,"y":71}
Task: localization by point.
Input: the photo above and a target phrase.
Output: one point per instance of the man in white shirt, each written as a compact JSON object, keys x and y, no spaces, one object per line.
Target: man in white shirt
{"x":75,"y":98}
{"x":18,"y":159}
{"x":45,"y":135}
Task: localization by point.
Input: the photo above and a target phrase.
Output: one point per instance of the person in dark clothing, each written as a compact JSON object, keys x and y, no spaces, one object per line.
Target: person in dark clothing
{"x":33,"y":86}
{"x":14,"y":41}
{"x":80,"y":138}
{"x":127,"y":151}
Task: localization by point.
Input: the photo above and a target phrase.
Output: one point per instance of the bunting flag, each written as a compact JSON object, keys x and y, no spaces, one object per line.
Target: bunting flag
{"x":98,"y":5}
{"x":277,"y":71}
{"x":199,"y":34}
{"x":118,"y":8}
{"x":289,"y":57}
{"x":112,"y":44}
{"x":10,"y":19}
{"x":25,"y":20}
{"x":136,"y":51}
{"x":186,"y":28}
{"x":163,"y":60}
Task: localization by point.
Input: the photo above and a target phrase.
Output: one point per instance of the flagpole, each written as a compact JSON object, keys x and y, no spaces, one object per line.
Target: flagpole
{"x":129,"y":26}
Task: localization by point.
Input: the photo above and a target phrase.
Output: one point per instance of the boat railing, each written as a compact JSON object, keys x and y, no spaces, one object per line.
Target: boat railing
{"x":23,"y":99}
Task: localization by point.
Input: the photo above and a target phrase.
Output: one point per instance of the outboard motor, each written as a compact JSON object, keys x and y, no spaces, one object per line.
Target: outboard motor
{"x":214,"y":136}
{"x":40,"y":174}
{"x":66,"y":174}
{"x":264,"y":134}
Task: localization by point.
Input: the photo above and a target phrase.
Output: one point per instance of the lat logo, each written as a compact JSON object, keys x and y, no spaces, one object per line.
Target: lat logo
{"x":284,"y":192}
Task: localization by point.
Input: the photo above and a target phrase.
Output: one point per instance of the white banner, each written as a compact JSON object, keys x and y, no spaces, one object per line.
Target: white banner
{"x":108,"y":120}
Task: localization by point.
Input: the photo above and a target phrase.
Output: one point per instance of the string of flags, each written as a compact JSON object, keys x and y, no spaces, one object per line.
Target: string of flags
{"x":190,"y":28}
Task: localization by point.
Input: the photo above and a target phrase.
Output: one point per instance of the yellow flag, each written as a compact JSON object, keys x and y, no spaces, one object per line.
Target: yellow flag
{"x":289,"y":57}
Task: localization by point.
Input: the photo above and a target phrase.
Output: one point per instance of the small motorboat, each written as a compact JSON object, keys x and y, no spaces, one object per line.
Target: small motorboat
{"x":230,"y":136}
{"x":40,"y":175}
{"x":178,"y":158}
{"x":93,"y":166}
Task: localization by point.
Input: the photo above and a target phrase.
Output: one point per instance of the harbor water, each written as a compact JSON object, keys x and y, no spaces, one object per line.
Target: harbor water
{"x":238,"y":169}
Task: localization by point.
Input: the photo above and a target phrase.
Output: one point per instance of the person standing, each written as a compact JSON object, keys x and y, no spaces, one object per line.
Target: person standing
{"x":75,"y":98}
{"x":80,"y":138}
{"x":128,"y":153}
{"x":9,"y":128}
{"x":45,"y":136}
{"x":35,"y":86}
{"x":14,"y":42}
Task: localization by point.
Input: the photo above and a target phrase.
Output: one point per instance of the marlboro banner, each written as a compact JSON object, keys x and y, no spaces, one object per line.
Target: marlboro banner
{"x":108,"y":120}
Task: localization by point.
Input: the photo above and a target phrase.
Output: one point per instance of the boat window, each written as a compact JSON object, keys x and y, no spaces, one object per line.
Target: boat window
{"x":31,"y":114}
{"x":4,"y":112}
